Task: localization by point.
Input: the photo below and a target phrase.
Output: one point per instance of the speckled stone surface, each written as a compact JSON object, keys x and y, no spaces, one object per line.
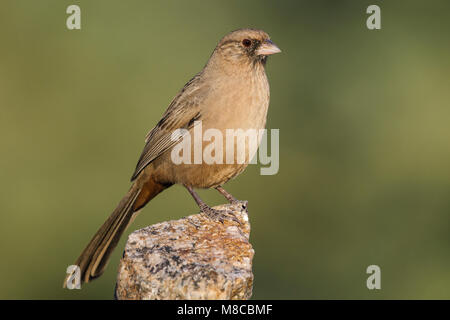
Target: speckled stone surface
{"x":190,"y":258}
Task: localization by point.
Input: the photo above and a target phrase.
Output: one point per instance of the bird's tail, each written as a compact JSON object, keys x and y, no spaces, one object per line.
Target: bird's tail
{"x":94,"y":258}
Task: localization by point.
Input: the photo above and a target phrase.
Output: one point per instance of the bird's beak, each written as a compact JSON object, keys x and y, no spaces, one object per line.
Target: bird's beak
{"x":267,"y":48}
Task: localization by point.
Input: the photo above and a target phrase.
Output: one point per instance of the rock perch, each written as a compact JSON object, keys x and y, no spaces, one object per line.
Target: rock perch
{"x":190,"y":258}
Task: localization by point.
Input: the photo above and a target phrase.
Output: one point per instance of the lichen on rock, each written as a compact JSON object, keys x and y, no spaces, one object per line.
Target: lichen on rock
{"x":190,"y":258}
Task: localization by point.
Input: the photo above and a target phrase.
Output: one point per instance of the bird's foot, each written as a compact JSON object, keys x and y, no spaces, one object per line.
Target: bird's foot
{"x":219,"y":215}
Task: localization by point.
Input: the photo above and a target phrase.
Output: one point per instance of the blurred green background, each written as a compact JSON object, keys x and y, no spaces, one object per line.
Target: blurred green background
{"x":364,"y":119}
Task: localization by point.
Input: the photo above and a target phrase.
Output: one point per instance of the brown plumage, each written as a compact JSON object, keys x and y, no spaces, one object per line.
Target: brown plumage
{"x":231,"y":92}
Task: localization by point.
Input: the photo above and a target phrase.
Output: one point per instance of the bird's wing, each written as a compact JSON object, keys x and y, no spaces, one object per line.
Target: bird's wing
{"x":182,"y":112}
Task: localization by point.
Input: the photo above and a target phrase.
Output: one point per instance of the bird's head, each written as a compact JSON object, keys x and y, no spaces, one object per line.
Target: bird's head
{"x":246,"y":46}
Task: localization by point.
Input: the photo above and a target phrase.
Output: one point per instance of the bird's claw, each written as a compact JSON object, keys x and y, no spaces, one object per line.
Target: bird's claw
{"x":219,"y":215}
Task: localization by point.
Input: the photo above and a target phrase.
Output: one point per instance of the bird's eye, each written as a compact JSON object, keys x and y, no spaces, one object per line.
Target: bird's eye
{"x":246,"y":42}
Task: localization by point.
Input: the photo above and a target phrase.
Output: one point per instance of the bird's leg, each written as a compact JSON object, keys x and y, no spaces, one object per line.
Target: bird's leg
{"x":226,"y":194}
{"x":214,"y":214}
{"x":230,"y":197}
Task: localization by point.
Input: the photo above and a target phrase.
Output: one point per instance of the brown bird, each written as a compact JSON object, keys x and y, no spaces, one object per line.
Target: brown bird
{"x":230,"y":92}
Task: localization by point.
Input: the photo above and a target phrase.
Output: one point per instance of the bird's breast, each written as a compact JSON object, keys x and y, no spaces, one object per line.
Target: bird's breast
{"x":239,"y":102}
{"x":233,"y":104}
